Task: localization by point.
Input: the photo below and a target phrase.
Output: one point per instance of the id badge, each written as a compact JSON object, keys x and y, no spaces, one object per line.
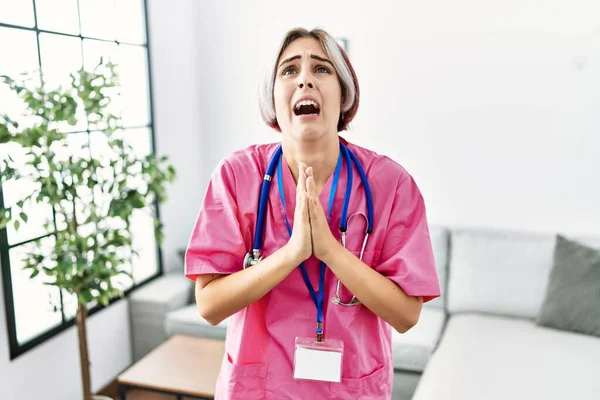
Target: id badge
{"x":318,"y":361}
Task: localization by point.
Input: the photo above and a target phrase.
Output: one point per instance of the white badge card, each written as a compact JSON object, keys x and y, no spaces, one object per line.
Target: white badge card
{"x":318,"y":361}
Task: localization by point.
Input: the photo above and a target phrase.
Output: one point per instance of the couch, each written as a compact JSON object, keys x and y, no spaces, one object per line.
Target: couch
{"x":479,"y":340}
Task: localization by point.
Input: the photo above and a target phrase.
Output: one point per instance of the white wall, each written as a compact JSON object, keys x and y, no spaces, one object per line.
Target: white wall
{"x":492,"y":106}
{"x":174,"y":43}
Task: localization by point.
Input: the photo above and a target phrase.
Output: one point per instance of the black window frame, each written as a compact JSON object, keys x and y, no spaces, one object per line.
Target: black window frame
{"x":16,"y":349}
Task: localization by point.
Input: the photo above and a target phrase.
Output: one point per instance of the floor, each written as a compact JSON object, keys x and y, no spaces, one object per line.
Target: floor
{"x":111,"y":391}
{"x":404,"y":385}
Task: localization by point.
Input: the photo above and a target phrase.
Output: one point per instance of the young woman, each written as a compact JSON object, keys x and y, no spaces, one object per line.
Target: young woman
{"x":279,"y":243}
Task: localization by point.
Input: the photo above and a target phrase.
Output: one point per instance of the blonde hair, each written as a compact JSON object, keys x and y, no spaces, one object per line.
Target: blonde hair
{"x":341,"y":63}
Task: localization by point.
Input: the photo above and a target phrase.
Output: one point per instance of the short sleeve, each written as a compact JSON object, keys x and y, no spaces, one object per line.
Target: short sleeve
{"x":216,"y":244}
{"x":407,"y":254}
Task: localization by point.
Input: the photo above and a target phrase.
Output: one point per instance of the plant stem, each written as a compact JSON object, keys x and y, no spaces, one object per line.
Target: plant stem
{"x":83,"y":351}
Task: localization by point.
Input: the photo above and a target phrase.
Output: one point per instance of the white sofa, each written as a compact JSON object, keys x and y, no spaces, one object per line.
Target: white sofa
{"x":478,"y":341}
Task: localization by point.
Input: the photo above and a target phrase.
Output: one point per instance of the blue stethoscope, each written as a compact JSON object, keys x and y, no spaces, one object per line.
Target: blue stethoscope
{"x":254,"y":257}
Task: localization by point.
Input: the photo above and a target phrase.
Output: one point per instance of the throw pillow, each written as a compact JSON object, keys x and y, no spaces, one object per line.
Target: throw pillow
{"x":572,"y":300}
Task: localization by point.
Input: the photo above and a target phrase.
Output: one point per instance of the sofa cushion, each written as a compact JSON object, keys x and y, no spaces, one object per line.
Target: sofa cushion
{"x":572,"y":300}
{"x":439,"y":242}
{"x":498,"y":358}
{"x":503,"y":273}
{"x":166,"y":293}
{"x":187,"y":321}
{"x":412,"y":349}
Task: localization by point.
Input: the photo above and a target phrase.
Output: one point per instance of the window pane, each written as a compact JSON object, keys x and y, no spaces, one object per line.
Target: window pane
{"x":133,"y":75}
{"x":144,"y":242}
{"x":140,"y":139}
{"x":19,"y":55}
{"x":58,"y":15}
{"x":141,"y":142}
{"x":94,"y":49}
{"x":17,"y":12}
{"x":132,"y":66}
{"x":132,"y":24}
{"x":102,"y":151}
{"x":34,"y":301}
{"x":123,"y":282}
{"x":16,"y":190}
{"x":76,"y":145}
{"x":142,"y":223}
{"x":69,"y":305}
{"x":97,"y":17}
{"x":61,"y":57}
{"x":37,"y":214}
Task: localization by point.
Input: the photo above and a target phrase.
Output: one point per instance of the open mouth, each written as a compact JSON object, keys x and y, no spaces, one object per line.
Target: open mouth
{"x":306,"y":107}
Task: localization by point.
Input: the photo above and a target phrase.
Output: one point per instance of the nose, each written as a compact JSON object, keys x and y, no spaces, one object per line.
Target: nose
{"x":309,"y":84}
{"x":305,"y":78}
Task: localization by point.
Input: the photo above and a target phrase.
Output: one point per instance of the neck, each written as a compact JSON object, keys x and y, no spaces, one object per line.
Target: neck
{"x":321,"y":155}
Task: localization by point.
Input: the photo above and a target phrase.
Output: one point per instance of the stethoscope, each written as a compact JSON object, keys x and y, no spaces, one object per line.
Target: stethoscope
{"x":254,"y":257}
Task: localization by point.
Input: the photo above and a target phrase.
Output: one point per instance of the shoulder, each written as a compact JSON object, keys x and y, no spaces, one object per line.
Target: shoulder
{"x":382,"y":171}
{"x":247,"y":160}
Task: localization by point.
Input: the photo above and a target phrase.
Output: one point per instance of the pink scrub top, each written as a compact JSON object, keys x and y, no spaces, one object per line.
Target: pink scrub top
{"x":259,"y":358}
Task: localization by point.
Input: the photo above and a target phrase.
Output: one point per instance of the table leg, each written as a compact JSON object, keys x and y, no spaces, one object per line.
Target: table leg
{"x":122,"y":391}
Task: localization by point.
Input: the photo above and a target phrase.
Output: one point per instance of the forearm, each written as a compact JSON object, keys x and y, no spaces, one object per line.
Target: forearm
{"x":379,"y":294}
{"x":229,"y":294}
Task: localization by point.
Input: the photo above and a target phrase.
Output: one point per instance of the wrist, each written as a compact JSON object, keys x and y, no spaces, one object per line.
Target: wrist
{"x":292,"y":256}
{"x":333,"y":251}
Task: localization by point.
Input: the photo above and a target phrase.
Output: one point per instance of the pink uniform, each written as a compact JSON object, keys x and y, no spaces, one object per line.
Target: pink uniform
{"x":258,"y":363}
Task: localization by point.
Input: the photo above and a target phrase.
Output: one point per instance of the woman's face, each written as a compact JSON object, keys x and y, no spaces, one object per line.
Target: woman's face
{"x":307,"y":91}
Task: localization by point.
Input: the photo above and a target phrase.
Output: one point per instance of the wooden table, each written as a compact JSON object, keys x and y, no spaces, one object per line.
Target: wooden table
{"x":181,"y":366}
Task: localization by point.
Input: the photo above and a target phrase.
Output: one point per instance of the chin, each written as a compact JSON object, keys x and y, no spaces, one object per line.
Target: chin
{"x":309,"y":131}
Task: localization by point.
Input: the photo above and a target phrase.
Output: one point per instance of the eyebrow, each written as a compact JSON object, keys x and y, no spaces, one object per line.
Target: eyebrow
{"x":314,"y":57}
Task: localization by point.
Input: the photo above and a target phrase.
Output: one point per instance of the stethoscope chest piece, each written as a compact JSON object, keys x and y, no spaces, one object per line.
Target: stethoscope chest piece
{"x":252,"y":258}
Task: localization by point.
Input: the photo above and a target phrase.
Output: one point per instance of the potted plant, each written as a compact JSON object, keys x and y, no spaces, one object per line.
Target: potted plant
{"x":93,"y":195}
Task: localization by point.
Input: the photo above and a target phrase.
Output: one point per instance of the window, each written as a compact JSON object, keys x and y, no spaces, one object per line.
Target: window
{"x":61,"y":36}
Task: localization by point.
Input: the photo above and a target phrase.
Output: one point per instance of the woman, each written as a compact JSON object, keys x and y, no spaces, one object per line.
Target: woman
{"x":310,"y":96}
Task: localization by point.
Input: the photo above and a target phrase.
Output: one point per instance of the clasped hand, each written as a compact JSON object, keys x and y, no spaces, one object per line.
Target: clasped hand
{"x":311,"y":234}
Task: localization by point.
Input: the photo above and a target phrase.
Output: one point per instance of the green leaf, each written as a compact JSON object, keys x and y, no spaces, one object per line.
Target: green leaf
{"x":5,"y":135}
{"x":23,"y":216}
{"x":7,"y":79}
{"x":85,"y":297}
{"x":17,"y":224}
{"x":5,"y":217}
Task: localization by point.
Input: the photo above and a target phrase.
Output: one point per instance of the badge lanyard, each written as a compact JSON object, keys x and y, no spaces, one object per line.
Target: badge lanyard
{"x":316,"y":297}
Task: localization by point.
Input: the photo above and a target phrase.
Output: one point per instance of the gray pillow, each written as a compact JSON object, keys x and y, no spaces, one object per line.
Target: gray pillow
{"x":572,"y":300}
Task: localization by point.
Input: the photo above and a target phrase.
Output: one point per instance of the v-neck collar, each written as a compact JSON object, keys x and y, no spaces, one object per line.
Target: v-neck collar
{"x":289,"y":190}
